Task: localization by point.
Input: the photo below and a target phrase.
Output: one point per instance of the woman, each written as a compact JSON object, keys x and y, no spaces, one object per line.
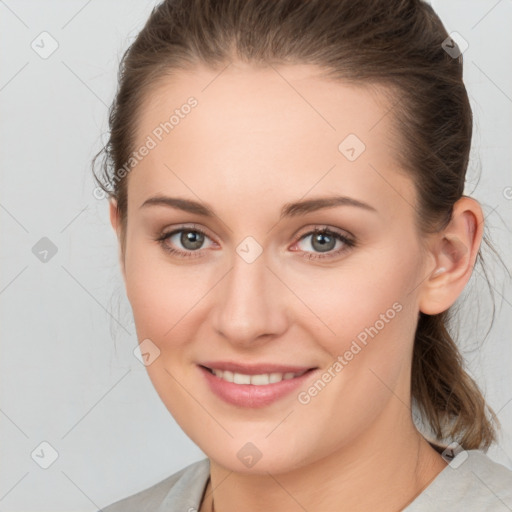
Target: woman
{"x":286,"y":183}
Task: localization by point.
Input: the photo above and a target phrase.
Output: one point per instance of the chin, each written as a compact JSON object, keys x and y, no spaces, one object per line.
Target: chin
{"x":256,"y":458}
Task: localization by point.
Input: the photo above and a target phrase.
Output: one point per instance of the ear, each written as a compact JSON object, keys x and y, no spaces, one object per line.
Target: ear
{"x":116,"y":225}
{"x":454,"y":251}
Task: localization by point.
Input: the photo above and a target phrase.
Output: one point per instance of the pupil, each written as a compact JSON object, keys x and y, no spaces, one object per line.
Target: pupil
{"x":191,"y":240}
{"x":326,"y":242}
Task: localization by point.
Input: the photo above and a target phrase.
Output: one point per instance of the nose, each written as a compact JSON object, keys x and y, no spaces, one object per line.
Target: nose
{"x":250,"y":304}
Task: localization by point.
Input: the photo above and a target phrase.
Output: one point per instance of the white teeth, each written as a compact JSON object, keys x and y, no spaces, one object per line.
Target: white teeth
{"x":240,"y":378}
{"x":227,"y":375}
{"x":275,"y":377}
{"x":257,"y":380}
{"x":260,"y":380}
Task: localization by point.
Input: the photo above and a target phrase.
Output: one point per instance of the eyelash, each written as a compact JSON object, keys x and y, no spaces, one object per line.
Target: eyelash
{"x":348,"y":242}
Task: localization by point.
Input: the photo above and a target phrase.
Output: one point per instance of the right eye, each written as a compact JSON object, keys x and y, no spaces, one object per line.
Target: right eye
{"x":190,"y":239}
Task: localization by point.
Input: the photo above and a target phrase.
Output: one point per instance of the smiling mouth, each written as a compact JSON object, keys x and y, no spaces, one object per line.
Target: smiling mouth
{"x":262,"y":379}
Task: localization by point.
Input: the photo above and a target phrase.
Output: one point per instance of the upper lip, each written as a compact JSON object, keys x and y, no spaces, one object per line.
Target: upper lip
{"x":254,"y":369}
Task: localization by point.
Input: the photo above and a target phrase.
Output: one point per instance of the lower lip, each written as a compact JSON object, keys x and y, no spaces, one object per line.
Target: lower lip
{"x":250,"y":395}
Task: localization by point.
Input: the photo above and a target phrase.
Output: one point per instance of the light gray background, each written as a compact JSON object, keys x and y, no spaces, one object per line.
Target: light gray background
{"x":68,"y":374}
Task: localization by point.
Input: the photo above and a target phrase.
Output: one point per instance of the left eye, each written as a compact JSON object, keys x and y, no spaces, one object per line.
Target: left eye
{"x":324,"y":241}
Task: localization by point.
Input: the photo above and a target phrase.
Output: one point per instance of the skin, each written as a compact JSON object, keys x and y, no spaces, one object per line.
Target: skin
{"x":251,"y":145}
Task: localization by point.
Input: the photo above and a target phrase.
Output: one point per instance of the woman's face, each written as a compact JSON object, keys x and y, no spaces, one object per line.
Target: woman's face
{"x":259,"y":150}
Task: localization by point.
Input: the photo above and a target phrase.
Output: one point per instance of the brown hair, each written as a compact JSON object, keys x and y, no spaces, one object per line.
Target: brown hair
{"x":395,"y":44}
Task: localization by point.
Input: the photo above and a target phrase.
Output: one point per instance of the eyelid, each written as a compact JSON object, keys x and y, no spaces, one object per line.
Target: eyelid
{"x":321,"y":228}
{"x":172,"y":230}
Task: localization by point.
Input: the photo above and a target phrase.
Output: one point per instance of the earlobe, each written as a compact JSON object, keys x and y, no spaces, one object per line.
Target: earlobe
{"x":454,"y":251}
{"x":113,"y":214}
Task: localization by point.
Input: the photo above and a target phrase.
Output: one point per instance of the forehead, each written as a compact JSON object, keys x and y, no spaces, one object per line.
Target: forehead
{"x":241,"y":99}
{"x":253,"y":129}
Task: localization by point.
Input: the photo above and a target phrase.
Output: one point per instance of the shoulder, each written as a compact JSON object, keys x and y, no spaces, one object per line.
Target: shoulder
{"x":471,"y":481}
{"x":181,"y":491}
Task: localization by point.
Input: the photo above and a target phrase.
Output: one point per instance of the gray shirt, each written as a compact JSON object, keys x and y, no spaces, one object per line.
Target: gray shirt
{"x":471,"y":482}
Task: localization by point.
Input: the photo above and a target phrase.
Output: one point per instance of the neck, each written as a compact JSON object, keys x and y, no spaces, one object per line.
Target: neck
{"x":383,"y":469}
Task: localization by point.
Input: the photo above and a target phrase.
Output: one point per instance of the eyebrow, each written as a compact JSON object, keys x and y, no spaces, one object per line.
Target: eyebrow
{"x":311,"y":205}
{"x":288,"y":210}
{"x":187,"y":205}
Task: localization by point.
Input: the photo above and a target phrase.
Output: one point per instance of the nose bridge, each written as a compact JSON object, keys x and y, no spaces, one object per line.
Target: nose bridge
{"x":249,"y":305}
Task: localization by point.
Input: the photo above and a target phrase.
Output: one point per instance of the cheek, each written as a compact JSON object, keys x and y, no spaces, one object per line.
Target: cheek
{"x":370,"y":359}
{"x":359,"y":302}
{"x":157,"y":294}
{"x":371,"y":313}
{"x":162,"y":297}
{"x":167,"y":300}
